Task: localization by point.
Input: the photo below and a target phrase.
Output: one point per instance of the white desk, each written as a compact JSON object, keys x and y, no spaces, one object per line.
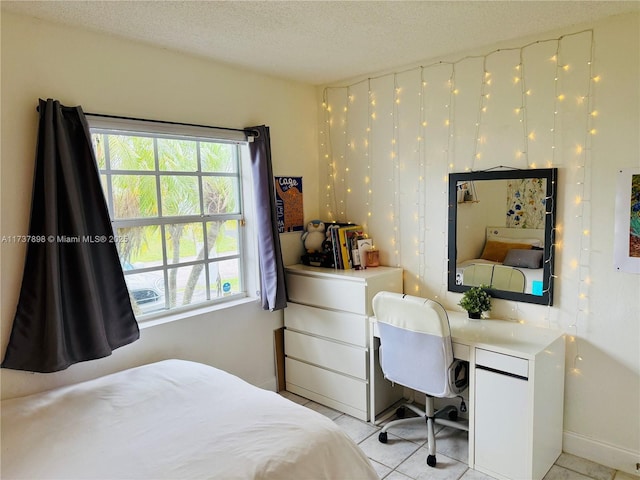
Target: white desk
{"x":516,"y":394}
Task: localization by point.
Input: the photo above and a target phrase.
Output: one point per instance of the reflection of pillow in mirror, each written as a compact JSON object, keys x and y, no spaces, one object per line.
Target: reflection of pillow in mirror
{"x":524,"y":258}
{"x":497,"y":251}
{"x":536,"y":242}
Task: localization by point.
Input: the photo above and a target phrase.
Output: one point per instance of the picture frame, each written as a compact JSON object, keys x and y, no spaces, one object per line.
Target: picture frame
{"x":626,"y":250}
{"x":289,"y":204}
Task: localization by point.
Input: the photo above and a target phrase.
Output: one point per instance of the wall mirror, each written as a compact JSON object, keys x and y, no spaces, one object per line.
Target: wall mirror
{"x":502,"y":233}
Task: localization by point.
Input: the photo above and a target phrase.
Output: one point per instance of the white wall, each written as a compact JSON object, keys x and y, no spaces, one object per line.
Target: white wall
{"x":392,"y":138}
{"x":111,"y":76}
{"x":474,"y":218}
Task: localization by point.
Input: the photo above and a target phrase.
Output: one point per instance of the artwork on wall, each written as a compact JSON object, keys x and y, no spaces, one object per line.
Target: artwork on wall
{"x":526,"y":203}
{"x":289,"y":204}
{"x":626,"y":252}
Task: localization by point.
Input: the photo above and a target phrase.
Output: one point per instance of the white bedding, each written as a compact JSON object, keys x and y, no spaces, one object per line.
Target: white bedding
{"x":172,"y":419}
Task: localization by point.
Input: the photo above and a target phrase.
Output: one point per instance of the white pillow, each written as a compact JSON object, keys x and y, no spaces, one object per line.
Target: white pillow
{"x":534,"y":242}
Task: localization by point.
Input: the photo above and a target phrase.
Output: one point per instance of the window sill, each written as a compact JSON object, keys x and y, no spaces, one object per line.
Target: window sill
{"x":174,"y":317}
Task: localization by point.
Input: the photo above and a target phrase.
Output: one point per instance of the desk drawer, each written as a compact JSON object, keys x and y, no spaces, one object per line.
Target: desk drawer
{"x":502,"y":363}
{"x":325,"y":353}
{"x":341,"y":326}
{"x":332,"y":293}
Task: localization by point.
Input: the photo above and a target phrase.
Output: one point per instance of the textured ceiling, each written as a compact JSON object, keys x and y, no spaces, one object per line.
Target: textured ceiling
{"x":321,"y":41}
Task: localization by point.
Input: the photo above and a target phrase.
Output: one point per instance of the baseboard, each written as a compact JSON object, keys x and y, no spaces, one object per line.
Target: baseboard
{"x":599,"y":452}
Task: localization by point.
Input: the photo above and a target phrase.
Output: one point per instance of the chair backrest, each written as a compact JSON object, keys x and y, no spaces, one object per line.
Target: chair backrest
{"x":477,"y":274}
{"x":500,"y":277}
{"x":415,"y":344}
{"x":507,"y":278}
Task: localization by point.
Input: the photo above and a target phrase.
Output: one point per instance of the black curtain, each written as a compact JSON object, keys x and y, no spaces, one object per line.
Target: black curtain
{"x":273,"y":294}
{"x":74,"y":304}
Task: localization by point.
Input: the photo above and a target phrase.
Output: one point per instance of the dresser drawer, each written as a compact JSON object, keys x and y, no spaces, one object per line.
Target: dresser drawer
{"x":342,"y":390}
{"x":325,"y":353}
{"x":341,"y":326}
{"x":332,"y":293}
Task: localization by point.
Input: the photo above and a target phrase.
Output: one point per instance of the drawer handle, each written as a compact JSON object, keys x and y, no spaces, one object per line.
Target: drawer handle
{"x":501,"y":372}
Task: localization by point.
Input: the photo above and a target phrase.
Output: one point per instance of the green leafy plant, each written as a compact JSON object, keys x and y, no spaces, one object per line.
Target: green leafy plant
{"x":476,"y":299}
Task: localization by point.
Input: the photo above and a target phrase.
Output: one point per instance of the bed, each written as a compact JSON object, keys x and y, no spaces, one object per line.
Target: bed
{"x":172,"y":419}
{"x":511,"y":260}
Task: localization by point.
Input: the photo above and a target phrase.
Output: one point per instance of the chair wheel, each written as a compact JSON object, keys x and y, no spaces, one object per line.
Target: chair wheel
{"x":431,"y":460}
{"x":382,"y":437}
{"x":453,"y":415}
{"x":401,"y":412}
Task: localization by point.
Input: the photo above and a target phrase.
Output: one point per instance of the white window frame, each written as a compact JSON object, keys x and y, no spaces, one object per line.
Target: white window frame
{"x":247,"y":252}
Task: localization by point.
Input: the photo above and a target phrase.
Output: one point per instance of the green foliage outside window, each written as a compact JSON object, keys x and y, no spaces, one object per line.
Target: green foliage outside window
{"x":173,"y":201}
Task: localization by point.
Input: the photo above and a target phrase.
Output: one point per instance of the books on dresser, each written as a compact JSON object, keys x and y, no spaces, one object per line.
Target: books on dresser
{"x":344,"y":239}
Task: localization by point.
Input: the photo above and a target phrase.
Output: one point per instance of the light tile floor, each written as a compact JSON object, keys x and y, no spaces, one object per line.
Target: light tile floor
{"x":404,"y":456}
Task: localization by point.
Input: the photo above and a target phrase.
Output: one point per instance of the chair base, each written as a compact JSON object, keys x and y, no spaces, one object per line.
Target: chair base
{"x":447,"y":416}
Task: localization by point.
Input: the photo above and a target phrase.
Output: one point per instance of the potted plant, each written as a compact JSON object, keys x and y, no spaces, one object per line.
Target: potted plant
{"x":475,"y":301}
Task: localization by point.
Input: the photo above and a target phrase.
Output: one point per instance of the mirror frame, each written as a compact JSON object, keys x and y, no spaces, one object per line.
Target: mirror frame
{"x":551,"y":175}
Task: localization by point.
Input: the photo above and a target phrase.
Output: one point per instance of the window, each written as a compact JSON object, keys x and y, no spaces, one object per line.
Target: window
{"x":174,"y":195}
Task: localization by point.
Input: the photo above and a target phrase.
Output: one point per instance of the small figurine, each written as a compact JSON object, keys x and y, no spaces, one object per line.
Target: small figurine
{"x":314,"y":236}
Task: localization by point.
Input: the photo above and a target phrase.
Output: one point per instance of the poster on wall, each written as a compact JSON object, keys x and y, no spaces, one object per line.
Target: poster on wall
{"x":289,"y":204}
{"x":526,"y":199}
{"x":626,"y":252}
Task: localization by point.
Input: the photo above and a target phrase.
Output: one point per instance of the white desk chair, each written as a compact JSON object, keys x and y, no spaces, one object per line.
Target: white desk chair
{"x":477,"y":274}
{"x":507,"y":278}
{"x":416,"y":352}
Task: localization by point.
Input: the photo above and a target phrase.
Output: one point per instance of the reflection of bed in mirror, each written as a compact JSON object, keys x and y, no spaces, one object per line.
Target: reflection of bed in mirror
{"x":511,"y":259}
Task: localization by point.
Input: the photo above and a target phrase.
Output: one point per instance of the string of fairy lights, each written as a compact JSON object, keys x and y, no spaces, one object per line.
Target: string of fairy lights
{"x":338,"y":163}
{"x":448,"y":154}
{"x":348,"y":147}
{"x":327,"y":146}
{"x":482,"y":108}
{"x":526,"y":134}
{"x":371,"y":102}
{"x":583,"y":200}
{"x":395,"y":156}
{"x":421,"y":188}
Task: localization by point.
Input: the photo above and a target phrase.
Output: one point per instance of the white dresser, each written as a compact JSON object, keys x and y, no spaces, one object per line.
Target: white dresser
{"x":327,"y":334}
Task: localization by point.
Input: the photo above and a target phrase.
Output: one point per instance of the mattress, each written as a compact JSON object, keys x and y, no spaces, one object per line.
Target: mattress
{"x":172,"y":420}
